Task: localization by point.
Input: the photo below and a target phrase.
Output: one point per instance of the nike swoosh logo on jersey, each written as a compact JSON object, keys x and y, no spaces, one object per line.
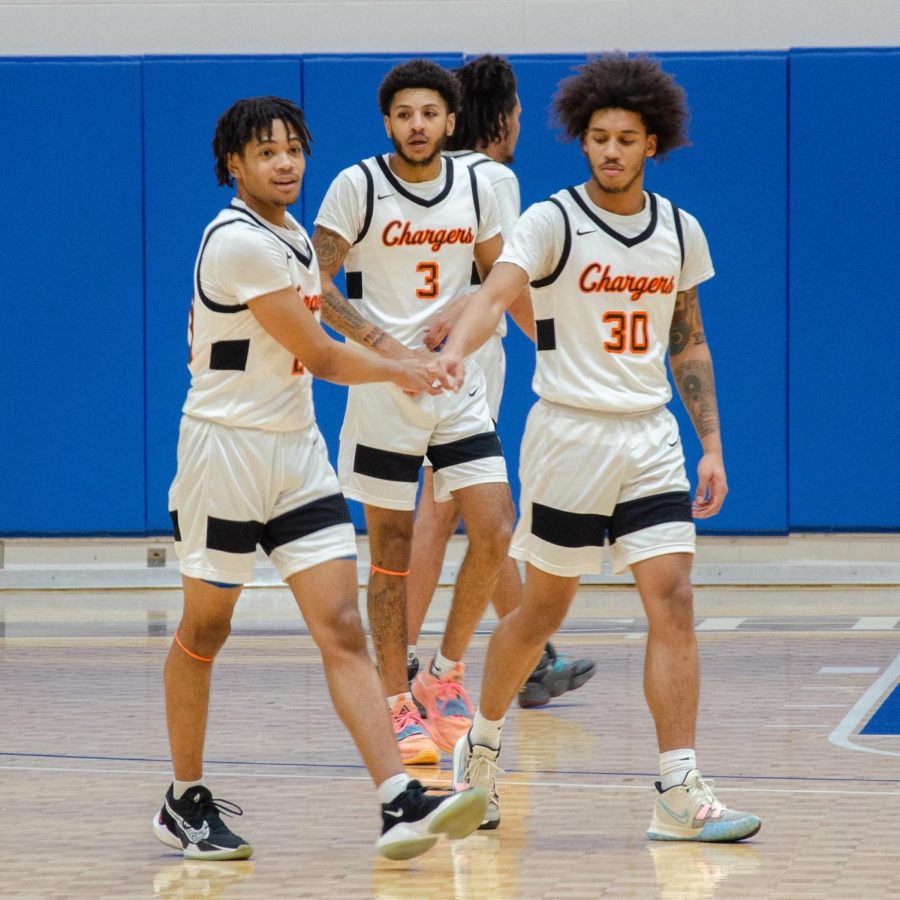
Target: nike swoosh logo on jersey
{"x":673,"y":442}
{"x":385,"y":196}
{"x":396,"y":815}
{"x":585,"y":231}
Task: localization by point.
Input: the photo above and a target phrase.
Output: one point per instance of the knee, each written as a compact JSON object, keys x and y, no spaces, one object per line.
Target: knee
{"x":204,"y":636}
{"x":675,"y":616}
{"x":341,"y":631}
{"x":539,"y":622}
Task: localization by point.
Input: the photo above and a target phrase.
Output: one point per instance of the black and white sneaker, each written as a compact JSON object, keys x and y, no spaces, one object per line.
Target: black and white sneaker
{"x":194,"y":825}
{"x":413,"y":822}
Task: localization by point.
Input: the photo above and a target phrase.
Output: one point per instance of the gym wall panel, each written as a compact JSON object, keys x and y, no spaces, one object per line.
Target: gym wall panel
{"x":340,"y":102}
{"x":72,"y":407}
{"x":844,"y":320}
{"x":183,"y":99}
{"x":733,"y":178}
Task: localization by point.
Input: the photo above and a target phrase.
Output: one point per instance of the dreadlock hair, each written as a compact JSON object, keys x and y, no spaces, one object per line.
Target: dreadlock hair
{"x":487,"y":96}
{"x":252,"y":118}
{"x":418,"y":73}
{"x":616,"y":81}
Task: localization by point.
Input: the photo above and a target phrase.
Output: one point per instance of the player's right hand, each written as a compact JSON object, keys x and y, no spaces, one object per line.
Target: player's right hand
{"x":451,"y":370}
{"x":418,"y":375}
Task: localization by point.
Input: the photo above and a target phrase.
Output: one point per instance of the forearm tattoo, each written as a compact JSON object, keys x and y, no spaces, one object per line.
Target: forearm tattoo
{"x":697,"y":387}
{"x":687,"y":326}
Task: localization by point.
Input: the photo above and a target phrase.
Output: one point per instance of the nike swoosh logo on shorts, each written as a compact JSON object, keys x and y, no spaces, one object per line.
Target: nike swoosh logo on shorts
{"x":396,"y":815}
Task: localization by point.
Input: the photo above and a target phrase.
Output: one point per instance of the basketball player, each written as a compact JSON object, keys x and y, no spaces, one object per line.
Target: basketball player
{"x":614,"y":271}
{"x":252,"y":470}
{"x":485,"y":137}
{"x":407,"y":227}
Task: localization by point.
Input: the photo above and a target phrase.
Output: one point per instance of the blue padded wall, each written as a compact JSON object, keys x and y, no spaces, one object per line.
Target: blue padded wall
{"x":71,"y":320}
{"x":844,"y":323}
{"x":182,"y":102}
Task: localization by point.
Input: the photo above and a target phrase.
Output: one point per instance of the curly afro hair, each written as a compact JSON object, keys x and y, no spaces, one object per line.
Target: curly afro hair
{"x":418,"y":73}
{"x":487,"y":96}
{"x":617,"y":81}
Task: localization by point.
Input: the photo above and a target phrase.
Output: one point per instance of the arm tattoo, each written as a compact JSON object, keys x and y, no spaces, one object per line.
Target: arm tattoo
{"x":331,"y":250}
{"x":687,"y":326}
{"x":338,"y":313}
{"x":697,"y":387}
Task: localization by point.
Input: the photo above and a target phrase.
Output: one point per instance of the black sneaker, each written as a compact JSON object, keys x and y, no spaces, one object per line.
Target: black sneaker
{"x":554,"y":675}
{"x":412,"y":669}
{"x":413,"y":822}
{"x":193,"y":825}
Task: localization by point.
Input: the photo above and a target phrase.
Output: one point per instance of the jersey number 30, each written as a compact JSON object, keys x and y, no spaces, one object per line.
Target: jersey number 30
{"x":628,"y":333}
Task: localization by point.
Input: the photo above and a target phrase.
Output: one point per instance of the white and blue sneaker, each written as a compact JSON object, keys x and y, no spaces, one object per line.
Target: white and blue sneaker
{"x":690,"y":812}
{"x":475,"y":765}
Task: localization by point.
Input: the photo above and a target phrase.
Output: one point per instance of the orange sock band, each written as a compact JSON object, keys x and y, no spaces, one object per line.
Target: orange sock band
{"x":206,"y":659}
{"x":389,"y":571}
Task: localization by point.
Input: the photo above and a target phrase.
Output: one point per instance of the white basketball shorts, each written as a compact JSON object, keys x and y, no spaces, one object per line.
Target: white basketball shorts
{"x":237,"y":488}
{"x":587,"y":477}
{"x":386,"y":435}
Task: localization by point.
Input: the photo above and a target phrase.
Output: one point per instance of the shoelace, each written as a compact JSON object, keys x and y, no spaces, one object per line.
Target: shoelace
{"x":218,"y":806}
{"x":710,"y":806}
{"x":483,"y":770}
{"x":407,"y":716}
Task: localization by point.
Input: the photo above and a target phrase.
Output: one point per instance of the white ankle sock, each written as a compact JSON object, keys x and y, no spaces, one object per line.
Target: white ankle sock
{"x":486,"y":731}
{"x":392,"y":788}
{"x":440,"y":665}
{"x":674,"y":766}
{"x":410,"y":653}
{"x":392,"y":700}
{"x":179,"y":788}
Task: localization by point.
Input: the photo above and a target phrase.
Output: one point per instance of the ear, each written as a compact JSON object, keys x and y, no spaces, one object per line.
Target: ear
{"x":233,"y":162}
{"x":451,"y":123}
{"x":651,"y":145}
{"x":387,"y":127}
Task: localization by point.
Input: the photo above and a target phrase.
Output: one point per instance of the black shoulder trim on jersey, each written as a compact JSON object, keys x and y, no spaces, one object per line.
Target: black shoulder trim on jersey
{"x":473,"y":179}
{"x":545,"y":334}
{"x":229,"y":356}
{"x":567,"y":247}
{"x":567,"y":529}
{"x":621,"y":238}
{"x":317,"y":515}
{"x":475,"y":278}
{"x":398,"y":187}
{"x":304,"y":257}
{"x":679,"y":231}
{"x":211,"y":304}
{"x":658,"y":509}
{"x":480,"y":162}
{"x":370,"y":202}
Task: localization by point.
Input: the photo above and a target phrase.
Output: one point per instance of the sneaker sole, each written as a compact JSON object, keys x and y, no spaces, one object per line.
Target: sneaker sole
{"x":162,"y":834}
{"x":462,"y":814}
{"x":721,"y":833}
{"x":428,"y":756}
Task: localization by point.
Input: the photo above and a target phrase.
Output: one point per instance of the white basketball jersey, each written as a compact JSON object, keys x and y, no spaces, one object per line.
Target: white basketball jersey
{"x":411,"y":255}
{"x":603,"y":310}
{"x":240,"y":375}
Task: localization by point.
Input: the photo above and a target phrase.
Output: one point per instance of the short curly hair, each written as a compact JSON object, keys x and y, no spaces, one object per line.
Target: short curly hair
{"x":248,"y":119}
{"x":487,"y":98}
{"x":637,"y":84}
{"x":418,"y":73}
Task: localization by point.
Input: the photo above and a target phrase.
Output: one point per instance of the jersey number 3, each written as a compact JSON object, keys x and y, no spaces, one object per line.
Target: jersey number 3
{"x":431,"y":288}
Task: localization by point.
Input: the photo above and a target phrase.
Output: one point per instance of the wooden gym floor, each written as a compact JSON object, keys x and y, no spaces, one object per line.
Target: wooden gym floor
{"x":789,"y":682}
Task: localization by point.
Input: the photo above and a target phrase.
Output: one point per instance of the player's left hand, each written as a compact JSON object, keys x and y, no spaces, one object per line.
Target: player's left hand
{"x":437,"y":332}
{"x":712,"y":486}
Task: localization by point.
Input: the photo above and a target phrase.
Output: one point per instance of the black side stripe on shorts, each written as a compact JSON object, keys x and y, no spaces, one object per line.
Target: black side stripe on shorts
{"x":545,"y":332}
{"x":370,"y":202}
{"x":567,"y":247}
{"x":633,"y":515}
{"x":388,"y":465}
{"x":305,"y":520}
{"x":229,"y":356}
{"x":567,"y":529}
{"x":173,"y":515}
{"x":231,"y":536}
{"x":478,"y":446}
